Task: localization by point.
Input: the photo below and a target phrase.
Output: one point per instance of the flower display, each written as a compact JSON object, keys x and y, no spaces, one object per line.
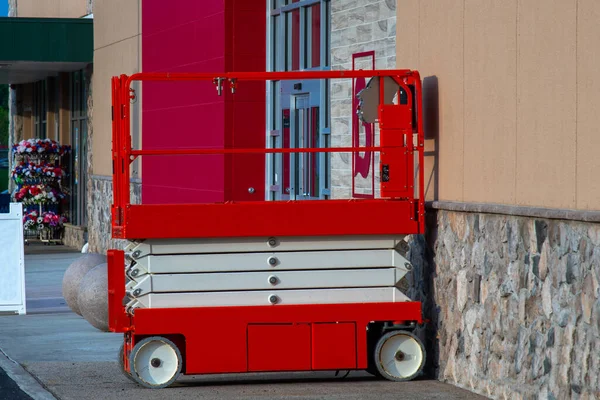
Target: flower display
{"x":30,"y":220}
{"x":40,"y":187}
{"x":28,"y":172}
{"x":37,"y":194}
{"x":39,"y":146}
{"x":53,"y":220}
{"x":47,"y":220}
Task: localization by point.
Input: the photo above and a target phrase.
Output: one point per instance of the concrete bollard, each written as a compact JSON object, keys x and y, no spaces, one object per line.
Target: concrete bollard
{"x":75,"y":273}
{"x":93,"y":297}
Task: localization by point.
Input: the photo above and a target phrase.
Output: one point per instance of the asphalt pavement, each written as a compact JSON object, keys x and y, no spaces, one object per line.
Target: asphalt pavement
{"x":10,"y":389}
{"x":53,"y":353}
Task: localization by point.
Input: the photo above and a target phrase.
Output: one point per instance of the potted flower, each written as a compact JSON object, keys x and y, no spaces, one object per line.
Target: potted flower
{"x":38,"y":149}
{"x":50,"y":225}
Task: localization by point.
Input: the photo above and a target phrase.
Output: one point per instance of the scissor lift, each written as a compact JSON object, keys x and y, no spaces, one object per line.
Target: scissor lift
{"x":232,"y":292}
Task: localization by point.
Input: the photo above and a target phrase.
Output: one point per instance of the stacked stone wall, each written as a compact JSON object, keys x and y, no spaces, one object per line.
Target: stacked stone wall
{"x":99,"y":209}
{"x":513,"y":302}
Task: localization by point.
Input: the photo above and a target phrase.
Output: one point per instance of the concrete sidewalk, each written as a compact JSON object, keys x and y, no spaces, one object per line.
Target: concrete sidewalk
{"x":75,"y":361}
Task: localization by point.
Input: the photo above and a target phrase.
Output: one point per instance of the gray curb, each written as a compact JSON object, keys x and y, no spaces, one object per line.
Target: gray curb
{"x":24,"y":379}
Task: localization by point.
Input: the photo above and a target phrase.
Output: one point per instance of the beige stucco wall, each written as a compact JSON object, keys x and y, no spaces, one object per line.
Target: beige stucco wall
{"x":52,"y":8}
{"x":588,"y":104}
{"x":117,"y":50}
{"x":517,"y":98}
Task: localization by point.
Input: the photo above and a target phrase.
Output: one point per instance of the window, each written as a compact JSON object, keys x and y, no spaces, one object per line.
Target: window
{"x":298,"y":39}
{"x":78,"y":108}
{"x":40,"y":109}
{"x":299,"y":35}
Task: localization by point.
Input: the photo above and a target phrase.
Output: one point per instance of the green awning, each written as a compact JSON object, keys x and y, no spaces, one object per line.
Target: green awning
{"x":34,"y":48}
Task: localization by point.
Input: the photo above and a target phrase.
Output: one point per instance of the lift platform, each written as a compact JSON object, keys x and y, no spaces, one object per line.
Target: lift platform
{"x":231,"y":291}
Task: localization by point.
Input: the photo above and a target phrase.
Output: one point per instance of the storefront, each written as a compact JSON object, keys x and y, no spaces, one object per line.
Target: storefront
{"x":47,"y":63}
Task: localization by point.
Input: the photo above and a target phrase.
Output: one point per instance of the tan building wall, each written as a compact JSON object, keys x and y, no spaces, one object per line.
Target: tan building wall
{"x":511,"y":96}
{"x":117,"y":50}
{"x":52,"y":8}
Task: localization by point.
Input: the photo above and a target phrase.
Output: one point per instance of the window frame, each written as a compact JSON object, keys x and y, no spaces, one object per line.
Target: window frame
{"x":277,"y":43}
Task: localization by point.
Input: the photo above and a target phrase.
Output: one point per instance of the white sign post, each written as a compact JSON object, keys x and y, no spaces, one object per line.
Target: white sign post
{"x":12,"y":261}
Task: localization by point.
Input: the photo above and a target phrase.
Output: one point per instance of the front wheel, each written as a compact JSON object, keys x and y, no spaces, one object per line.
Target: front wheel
{"x":399,"y":356}
{"x":155,"y":362}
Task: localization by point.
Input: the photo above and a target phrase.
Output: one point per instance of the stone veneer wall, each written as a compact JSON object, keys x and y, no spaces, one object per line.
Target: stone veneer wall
{"x":75,"y":236}
{"x":99,"y":195}
{"x":99,"y":218}
{"x":356,"y":26}
{"x":514,"y":303}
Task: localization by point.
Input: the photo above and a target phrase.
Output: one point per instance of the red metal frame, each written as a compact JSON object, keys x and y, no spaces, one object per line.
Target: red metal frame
{"x":227,"y":339}
{"x":393,"y":215}
{"x":242,"y":339}
{"x":226,"y":348}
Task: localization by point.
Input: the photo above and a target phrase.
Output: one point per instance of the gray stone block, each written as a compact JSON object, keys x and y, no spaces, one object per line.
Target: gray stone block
{"x":93,"y":297}
{"x":538,"y":314}
{"x":75,"y":273}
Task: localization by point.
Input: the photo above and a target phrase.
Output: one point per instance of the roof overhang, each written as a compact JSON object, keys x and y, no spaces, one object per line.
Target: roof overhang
{"x":35,"y":48}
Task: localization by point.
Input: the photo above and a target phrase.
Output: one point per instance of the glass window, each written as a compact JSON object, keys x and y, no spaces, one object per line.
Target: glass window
{"x":40,"y":108}
{"x":292,"y":50}
{"x":299,"y":40}
{"x":78,"y":95}
{"x":288,"y":50}
{"x":313,"y":49}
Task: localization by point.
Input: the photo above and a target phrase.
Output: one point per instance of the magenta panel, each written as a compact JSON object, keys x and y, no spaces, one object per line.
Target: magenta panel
{"x":182,"y":36}
{"x":162,"y":15}
{"x":202,"y":36}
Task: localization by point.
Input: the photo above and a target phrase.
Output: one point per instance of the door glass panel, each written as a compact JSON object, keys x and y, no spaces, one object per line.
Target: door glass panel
{"x":298,"y":158}
{"x":83,"y":171}
{"x":78,"y":171}
{"x":301,"y":170}
{"x":275,"y":43}
{"x":75,"y":172}
{"x":293,"y":42}
{"x":314,"y":142}
{"x":286,"y":157}
{"x":314,"y":18}
{"x":298,"y":36}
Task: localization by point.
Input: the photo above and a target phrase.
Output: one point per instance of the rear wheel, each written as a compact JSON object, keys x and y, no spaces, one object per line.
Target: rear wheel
{"x":399,"y":356}
{"x":120,"y":358}
{"x":155,"y":362}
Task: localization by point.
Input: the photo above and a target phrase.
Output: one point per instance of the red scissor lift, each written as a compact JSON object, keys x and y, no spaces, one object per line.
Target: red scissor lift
{"x":174,"y":323}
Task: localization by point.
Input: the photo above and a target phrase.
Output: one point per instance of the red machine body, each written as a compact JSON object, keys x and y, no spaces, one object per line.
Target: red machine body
{"x":239,"y":339}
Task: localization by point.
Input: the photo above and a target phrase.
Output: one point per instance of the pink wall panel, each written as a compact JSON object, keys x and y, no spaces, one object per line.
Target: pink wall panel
{"x":248,"y":53}
{"x":246,"y":133}
{"x":202,"y":36}
{"x":160,"y":14}
{"x":182,"y":36}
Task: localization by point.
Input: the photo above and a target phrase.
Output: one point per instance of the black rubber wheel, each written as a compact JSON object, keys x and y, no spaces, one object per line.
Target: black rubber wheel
{"x":372,"y":369}
{"x":399,"y":356}
{"x":120,"y":358}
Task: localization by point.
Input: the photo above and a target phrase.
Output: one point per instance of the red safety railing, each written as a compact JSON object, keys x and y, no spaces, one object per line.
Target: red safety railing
{"x":398,"y":211}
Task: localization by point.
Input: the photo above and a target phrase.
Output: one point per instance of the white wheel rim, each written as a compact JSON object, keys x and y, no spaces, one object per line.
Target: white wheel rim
{"x":401,"y":356}
{"x":155,"y":362}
